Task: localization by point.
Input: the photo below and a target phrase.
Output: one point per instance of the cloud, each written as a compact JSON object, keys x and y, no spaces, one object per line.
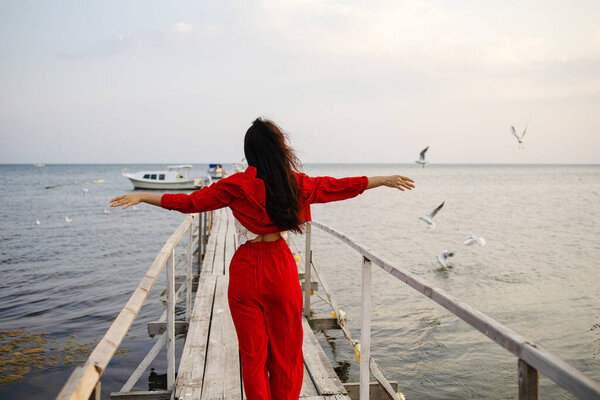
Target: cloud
{"x":183,"y":27}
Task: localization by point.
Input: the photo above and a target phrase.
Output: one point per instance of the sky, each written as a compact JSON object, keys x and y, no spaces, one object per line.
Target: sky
{"x":349,"y":81}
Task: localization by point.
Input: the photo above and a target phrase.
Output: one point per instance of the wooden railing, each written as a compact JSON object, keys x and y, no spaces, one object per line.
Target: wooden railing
{"x":532,"y":359}
{"x":85,"y":380}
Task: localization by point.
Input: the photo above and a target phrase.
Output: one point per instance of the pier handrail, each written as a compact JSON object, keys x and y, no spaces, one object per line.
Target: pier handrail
{"x":531,"y":357}
{"x":85,"y":379}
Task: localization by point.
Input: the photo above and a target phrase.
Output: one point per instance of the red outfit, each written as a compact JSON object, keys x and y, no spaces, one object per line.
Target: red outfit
{"x":264,"y":292}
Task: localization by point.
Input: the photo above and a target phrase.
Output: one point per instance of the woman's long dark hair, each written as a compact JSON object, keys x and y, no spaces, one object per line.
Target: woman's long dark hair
{"x":266,"y":149}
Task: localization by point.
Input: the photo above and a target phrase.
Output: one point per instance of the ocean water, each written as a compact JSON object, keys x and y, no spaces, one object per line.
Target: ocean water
{"x":62,"y":284}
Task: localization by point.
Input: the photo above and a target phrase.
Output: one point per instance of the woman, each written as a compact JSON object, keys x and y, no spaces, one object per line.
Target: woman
{"x":268,"y":199}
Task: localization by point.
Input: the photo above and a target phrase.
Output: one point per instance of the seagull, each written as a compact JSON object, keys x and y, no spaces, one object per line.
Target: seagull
{"x":442,"y":258}
{"x":68,"y":220}
{"x":84,"y":191}
{"x":429,"y":217}
{"x":422,"y":157}
{"x":106,"y":211}
{"x":37,"y":221}
{"x":519,"y":138}
{"x":474,"y":240}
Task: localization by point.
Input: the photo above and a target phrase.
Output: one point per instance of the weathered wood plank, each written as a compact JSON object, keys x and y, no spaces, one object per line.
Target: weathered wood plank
{"x":159,"y":327}
{"x":229,"y":242}
{"x":219,"y":263}
{"x":222,"y":379}
{"x":142,"y":395}
{"x":375,"y":390}
{"x":323,"y":324}
{"x":318,"y":366}
{"x":143,"y":366}
{"x":529,"y":381}
{"x":209,"y":255}
{"x":191,"y":368}
{"x":308,"y":387}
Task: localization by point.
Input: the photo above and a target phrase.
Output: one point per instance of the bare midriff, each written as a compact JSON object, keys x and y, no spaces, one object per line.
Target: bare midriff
{"x":268,"y":237}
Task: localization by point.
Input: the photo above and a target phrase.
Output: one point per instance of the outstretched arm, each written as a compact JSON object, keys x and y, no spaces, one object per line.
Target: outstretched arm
{"x":131,"y":199}
{"x":394,"y":181}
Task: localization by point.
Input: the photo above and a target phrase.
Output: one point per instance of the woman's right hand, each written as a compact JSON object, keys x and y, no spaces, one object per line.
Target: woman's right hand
{"x":399,"y":182}
{"x":126,"y":200}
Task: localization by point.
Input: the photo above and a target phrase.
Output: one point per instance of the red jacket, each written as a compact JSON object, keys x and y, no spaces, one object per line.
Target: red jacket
{"x":244,"y":193}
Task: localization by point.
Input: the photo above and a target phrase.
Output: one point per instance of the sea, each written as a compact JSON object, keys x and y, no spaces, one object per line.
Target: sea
{"x":63,"y":283}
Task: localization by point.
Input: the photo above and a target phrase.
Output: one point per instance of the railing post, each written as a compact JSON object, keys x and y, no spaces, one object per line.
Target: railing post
{"x":307,"y":260}
{"x":188,"y":275}
{"x":529,"y":381}
{"x":96,"y":393}
{"x":365,"y":329}
{"x":171,"y":320}
{"x":202,"y":215}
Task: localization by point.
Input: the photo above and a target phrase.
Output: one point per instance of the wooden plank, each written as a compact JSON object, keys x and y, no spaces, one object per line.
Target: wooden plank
{"x":81,"y":383}
{"x":143,"y":366}
{"x":323,"y":324}
{"x":170,"y":329}
{"x":160,"y":327}
{"x":222,"y":378}
{"x":529,"y":381}
{"x":365,"y":328}
{"x":229,"y":242}
{"x":314,"y":286}
{"x":213,"y":243}
{"x":191,"y":367}
{"x":318,"y":366}
{"x":375,"y":390}
{"x":307,"y":260}
{"x":219,"y":263}
{"x":142,"y":395}
{"x":308,"y":387}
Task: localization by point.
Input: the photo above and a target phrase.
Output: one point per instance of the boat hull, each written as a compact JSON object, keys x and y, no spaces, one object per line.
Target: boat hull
{"x":189,"y":184}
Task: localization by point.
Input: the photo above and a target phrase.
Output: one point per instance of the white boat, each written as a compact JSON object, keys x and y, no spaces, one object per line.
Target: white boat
{"x":216,"y":171}
{"x":39,"y":164}
{"x":175,"y":177}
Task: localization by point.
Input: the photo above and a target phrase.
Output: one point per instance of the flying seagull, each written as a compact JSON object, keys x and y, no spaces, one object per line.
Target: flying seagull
{"x":519,"y":138}
{"x":474,"y":240}
{"x":421,"y":159}
{"x":68,"y":220}
{"x":443,"y":258}
{"x":37,"y":221}
{"x":106,"y":211}
{"x":429,"y":217}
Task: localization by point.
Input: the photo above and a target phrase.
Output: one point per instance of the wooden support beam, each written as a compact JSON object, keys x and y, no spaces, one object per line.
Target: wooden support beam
{"x":323,"y":324}
{"x":146,"y":395}
{"x":529,"y":381}
{"x":375,"y":390}
{"x":159,"y":327}
{"x":313,"y":286}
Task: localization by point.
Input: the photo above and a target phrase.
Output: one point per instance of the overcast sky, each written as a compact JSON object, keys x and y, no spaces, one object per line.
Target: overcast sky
{"x":351,"y":81}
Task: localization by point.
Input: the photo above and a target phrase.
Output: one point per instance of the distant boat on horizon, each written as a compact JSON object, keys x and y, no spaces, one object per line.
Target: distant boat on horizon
{"x":39,"y":164}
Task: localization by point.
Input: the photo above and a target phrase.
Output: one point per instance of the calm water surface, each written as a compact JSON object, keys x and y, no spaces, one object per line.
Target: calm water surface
{"x":538,"y":273}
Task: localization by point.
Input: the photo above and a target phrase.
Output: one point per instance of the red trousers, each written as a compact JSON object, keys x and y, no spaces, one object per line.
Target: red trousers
{"x":266,"y":306}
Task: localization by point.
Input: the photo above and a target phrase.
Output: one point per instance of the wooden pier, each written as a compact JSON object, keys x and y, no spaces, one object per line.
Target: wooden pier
{"x":210,"y":363}
{"x":209,"y":367}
